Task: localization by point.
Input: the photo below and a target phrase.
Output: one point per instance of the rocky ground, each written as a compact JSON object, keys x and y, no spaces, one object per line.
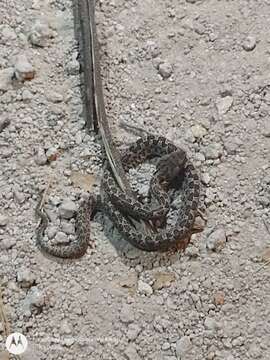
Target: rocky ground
{"x":197,"y":72}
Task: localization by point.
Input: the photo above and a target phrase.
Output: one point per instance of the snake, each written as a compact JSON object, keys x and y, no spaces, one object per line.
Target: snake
{"x":173,"y":167}
{"x":116,"y":197}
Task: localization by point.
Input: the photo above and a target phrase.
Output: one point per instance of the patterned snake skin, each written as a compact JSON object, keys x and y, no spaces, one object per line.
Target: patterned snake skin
{"x":172,"y":166}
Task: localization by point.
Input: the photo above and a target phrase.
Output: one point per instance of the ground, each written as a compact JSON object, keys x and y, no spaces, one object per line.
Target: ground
{"x":197,"y":72}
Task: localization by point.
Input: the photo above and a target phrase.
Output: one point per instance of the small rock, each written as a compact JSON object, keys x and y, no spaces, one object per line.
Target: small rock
{"x":266,"y":129}
{"x":131,"y":353}
{"x":61,"y":238}
{"x":210,"y":324}
{"x":7,"y":244}
{"x":166,"y":346}
{"x":144,"y":288}
{"x":69,"y":342}
{"x":165,"y":69}
{"x":216,"y":240}
{"x":68,"y":228}
{"x":34,"y":300}
{"x":52,"y":154}
{"x":6,"y":76}
{"x":198,"y":131}
{"x":133,"y":332}
{"x":213,"y":151}
{"x":19,"y":196}
{"x":163,"y":279}
{"x":73,"y":67}
{"x":26,"y":278}
{"x":183,"y":347}
{"x":127,"y":314}
{"x":51,"y":232}
{"x":67,"y":209}
{"x":4,"y":121}
{"x":3,"y":220}
{"x":54,"y":97}
{"x":129,"y":280}
{"x":65,"y":328}
{"x":40,"y":33}
{"x":205,"y":178}
{"x":219,"y":298}
{"x":250,"y":43}
{"x":224,"y":104}
{"x":23,"y":69}
{"x":41,"y":158}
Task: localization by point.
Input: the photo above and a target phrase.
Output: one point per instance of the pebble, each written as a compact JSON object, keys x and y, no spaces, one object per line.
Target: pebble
{"x":133,"y":332}
{"x":127,"y":314}
{"x":183,"y":347}
{"x":68,"y":228}
{"x":198,"y":131}
{"x":165,"y":70}
{"x":41,"y":158}
{"x":65,"y":327}
{"x":3,"y":220}
{"x":61,"y":238}
{"x":210,"y":324}
{"x":144,"y":288}
{"x":26,"y":278}
{"x":54,"y":97}
{"x":67,"y":209}
{"x":51,"y":232}
{"x":213,"y":151}
{"x":224,"y":104}
{"x":40,"y":33}
{"x":217,"y":239}
{"x":249,"y":43}
{"x":4,"y":121}
{"x":35,"y":298}
{"x":131,"y":352}
{"x":7,"y":243}
{"x":6,"y":76}
{"x":24,"y":69}
{"x":219,"y":298}
{"x":266,"y":128}
{"x":19,"y":196}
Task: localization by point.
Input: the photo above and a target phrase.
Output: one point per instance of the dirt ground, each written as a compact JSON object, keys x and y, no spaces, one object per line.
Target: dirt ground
{"x":197,"y":72}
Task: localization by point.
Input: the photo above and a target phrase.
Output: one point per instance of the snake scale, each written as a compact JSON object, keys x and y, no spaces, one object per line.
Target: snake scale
{"x":117,"y":199}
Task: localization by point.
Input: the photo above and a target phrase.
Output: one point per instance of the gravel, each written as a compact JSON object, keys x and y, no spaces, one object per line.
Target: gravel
{"x":194,"y":71}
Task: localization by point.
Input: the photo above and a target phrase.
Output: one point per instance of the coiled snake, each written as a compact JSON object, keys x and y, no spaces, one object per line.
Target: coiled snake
{"x":172,"y":166}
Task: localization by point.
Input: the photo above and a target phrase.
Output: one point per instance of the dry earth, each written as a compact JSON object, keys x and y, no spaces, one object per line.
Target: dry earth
{"x":197,"y":72}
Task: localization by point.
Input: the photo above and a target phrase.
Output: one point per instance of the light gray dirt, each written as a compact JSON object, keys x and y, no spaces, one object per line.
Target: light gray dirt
{"x":194,"y":71}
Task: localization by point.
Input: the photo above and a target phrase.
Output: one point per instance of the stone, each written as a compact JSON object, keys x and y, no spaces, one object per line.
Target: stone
{"x":127,"y":314}
{"x":6,"y":76}
{"x":3,"y":220}
{"x":213,"y":151}
{"x":4,"y":121}
{"x":7,"y":243}
{"x":183,"y":347}
{"x":198,"y":131}
{"x":61,"y":238}
{"x":35,"y":299}
{"x":23,"y":69}
{"x":133,"y":332}
{"x":67,"y":209}
{"x":224,"y":104}
{"x":26,"y":278}
{"x":41,"y":158}
{"x":40,"y":33}
{"x":165,"y":70}
{"x":65,"y":327}
{"x":219,"y":298}
{"x":217,"y":239}
{"x":131,"y":352}
{"x":144,"y":288}
{"x":249,"y":43}
{"x":266,"y":128}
